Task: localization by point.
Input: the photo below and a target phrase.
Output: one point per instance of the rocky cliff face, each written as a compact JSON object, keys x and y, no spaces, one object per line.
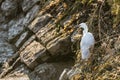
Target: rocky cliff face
{"x":30,"y":34}
{"x":37,"y":40}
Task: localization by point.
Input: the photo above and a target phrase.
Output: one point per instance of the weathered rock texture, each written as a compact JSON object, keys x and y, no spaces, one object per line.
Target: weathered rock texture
{"x":30,"y":32}
{"x":42,"y":33}
{"x":31,"y":53}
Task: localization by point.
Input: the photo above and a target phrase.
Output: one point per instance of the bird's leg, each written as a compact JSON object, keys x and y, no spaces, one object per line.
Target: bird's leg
{"x":91,"y":58}
{"x":90,"y":64}
{"x":84,"y":64}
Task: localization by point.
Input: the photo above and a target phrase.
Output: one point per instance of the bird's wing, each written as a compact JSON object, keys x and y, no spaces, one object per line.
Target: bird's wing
{"x":85,"y":54}
{"x":87,"y":41}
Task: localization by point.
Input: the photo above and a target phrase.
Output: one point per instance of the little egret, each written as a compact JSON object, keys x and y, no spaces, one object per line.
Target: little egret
{"x":87,"y":42}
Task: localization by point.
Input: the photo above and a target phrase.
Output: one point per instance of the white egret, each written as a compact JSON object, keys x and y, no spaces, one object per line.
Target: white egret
{"x":87,"y":42}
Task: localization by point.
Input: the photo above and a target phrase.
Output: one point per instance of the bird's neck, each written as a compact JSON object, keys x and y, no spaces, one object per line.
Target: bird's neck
{"x":85,"y":31}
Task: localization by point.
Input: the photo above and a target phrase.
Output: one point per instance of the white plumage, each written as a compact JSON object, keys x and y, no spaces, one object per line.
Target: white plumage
{"x":87,"y":42}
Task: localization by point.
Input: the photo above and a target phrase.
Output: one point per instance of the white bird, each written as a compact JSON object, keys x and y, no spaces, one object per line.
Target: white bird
{"x":87,"y":42}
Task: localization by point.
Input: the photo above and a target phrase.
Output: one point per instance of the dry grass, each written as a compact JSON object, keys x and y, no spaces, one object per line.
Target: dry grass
{"x":106,"y":57}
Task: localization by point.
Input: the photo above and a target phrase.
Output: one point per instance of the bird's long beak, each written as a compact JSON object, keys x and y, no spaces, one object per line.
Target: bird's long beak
{"x":77,"y":26}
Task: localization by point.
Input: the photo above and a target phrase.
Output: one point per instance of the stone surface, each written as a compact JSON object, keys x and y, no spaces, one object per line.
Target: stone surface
{"x":3,"y":34}
{"x":32,"y":38}
{"x":27,"y":4}
{"x":2,"y":18}
{"x":48,"y":36}
{"x":3,"y":27}
{"x":49,"y":71}
{"x":60,"y":45}
{"x":19,"y":71}
{"x":21,"y":39}
{"x":15,"y":28}
{"x":70,"y":74}
{"x":25,"y":77}
{"x":47,"y":33}
{"x":73,"y":72}
{"x":39,"y":22}
{"x":9,"y":7}
{"x":32,"y":53}
{"x":64,"y":76}
{"x":6,"y":50}
{"x":45,"y":72}
{"x":31,"y":14}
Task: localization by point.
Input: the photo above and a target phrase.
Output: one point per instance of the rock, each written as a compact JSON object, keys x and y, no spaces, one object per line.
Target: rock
{"x":45,"y":72}
{"x":49,"y":71}
{"x":60,"y":45}
{"x":3,"y":27}
{"x":39,"y":22}
{"x":24,"y":77}
{"x":46,"y":38}
{"x":27,"y":42}
{"x":31,"y":14}
{"x":6,"y":50}
{"x":27,"y":4}
{"x":3,"y":34}
{"x":73,"y":72}
{"x":32,"y":54}
{"x":15,"y":28}
{"x":9,"y":7}
{"x":64,"y":76}
{"x":19,"y":71}
{"x":70,"y":74}
{"x":21,"y":39}
{"x":2,"y":18}
{"x":42,"y":33}
{"x":47,"y":33}
{"x":10,"y":61}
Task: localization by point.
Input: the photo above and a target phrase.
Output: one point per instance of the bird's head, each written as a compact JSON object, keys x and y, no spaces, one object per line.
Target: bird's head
{"x":83,"y":25}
